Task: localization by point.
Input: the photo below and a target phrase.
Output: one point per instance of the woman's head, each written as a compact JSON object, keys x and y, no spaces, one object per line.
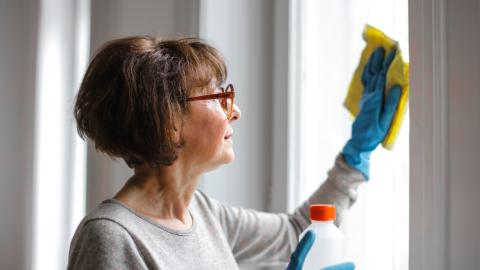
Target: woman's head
{"x":133,"y":97}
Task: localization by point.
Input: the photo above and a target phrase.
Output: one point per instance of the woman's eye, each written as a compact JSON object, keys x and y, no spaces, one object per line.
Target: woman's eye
{"x":215,"y":102}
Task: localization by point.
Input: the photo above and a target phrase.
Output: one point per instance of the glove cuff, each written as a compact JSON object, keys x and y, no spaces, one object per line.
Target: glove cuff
{"x":357,"y":159}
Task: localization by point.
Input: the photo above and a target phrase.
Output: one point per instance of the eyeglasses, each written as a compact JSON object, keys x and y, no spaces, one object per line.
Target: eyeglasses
{"x":227,"y":99}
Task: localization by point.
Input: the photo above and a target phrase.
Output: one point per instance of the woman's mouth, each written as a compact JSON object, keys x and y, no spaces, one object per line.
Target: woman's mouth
{"x":228,"y":136}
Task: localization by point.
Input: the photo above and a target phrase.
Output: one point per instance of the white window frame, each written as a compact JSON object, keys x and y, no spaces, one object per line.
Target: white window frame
{"x":428,"y":135}
{"x":428,"y":244}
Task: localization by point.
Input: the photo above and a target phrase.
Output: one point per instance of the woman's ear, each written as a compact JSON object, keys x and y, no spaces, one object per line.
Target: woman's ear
{"x":178,"y":127}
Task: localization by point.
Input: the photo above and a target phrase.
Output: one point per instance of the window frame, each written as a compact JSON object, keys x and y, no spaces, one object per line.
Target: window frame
{"x":428,"y":135}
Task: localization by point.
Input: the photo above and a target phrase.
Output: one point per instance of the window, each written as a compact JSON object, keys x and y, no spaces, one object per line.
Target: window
{"x":329,"y":46}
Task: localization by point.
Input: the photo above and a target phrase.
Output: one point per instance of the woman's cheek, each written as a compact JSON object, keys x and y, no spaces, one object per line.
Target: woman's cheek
{"x":219,"y":118}
{"x":215,"y":105}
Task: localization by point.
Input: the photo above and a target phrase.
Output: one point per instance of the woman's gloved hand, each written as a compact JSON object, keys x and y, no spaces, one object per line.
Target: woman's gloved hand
{"x":298,"y":256}
{"x":376,"y":113}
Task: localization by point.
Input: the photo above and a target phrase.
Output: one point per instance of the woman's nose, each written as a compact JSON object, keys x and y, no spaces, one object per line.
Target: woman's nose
{"x":237,"y":114}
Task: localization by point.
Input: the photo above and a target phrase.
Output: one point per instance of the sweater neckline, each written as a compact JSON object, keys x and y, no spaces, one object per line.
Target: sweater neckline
{"x":186,"y":232}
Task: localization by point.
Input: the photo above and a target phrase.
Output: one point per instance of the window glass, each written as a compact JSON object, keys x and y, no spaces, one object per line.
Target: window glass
{"x":330,"y":46}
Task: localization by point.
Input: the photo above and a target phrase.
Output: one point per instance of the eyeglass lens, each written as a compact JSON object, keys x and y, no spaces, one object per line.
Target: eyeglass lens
{"x":227,"y":103}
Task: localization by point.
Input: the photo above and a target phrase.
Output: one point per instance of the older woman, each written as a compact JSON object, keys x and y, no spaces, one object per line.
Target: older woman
{"x":160,"y":106}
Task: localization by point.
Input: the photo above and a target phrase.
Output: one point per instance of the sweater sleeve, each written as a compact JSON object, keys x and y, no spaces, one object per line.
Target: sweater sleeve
{"x":259,"y":238}
{"x":104,"y":244}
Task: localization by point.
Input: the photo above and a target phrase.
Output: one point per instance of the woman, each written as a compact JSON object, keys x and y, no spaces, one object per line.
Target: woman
{"x":159,"y":105}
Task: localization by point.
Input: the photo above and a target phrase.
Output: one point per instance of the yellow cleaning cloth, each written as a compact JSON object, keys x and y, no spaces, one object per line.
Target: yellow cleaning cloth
{"x":397,"y":74}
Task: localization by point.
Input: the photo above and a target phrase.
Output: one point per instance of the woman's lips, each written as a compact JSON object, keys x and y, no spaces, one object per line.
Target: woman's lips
{"x":228,"y":136}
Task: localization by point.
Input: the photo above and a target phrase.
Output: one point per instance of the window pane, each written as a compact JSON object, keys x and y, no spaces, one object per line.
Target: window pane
{"x":331,"y":44}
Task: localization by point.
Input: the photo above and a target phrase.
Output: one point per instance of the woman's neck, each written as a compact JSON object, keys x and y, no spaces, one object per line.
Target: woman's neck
{"x":161,"y":193}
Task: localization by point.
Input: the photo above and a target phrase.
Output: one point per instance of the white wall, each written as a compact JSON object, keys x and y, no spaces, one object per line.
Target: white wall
{"x":243,"y":31}
{"x":18,"y":26}
{"x":463,"y":62}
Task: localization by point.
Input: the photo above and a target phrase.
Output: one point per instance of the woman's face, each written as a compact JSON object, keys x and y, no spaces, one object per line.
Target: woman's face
{"x":208,"y":134}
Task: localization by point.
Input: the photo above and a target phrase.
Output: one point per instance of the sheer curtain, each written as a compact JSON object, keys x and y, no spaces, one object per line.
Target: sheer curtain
{"x":60,"y":155}
{"x":330,"y":44}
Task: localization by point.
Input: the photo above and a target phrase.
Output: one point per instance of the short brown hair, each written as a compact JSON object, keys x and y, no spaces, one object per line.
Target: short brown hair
{"x":135,"y":88}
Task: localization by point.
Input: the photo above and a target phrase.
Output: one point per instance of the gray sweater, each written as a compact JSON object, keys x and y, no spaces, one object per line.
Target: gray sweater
{"x":114,"y":236}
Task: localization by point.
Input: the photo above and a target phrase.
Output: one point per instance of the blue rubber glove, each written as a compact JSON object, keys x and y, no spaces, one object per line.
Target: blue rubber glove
{"x":298,"y":256}
{"x":376,"y":113}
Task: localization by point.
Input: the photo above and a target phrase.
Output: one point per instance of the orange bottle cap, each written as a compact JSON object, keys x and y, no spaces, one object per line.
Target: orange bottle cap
{"x":322,"y":212}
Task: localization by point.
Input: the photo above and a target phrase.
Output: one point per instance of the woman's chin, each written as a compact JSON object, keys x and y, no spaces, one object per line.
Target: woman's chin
{"x":229,"y":156}
{"x":228,"y":153}
{"x":226,"y":158}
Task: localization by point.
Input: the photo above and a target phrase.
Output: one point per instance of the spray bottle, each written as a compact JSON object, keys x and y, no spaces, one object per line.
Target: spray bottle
{"x":327,"y":249}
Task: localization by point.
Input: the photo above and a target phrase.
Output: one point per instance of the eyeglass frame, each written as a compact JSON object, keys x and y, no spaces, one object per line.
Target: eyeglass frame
{"x":225,"y":95}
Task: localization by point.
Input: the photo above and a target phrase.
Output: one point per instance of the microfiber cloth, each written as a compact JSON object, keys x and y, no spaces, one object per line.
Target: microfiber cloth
{"x":397,"y":74}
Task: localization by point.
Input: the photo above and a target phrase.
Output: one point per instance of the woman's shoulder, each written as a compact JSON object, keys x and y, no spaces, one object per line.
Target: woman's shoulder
{"x":107,"y":216}
{"x":109,"y":209}
{"x":103,"y":239}
{"x":204,"y":202}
